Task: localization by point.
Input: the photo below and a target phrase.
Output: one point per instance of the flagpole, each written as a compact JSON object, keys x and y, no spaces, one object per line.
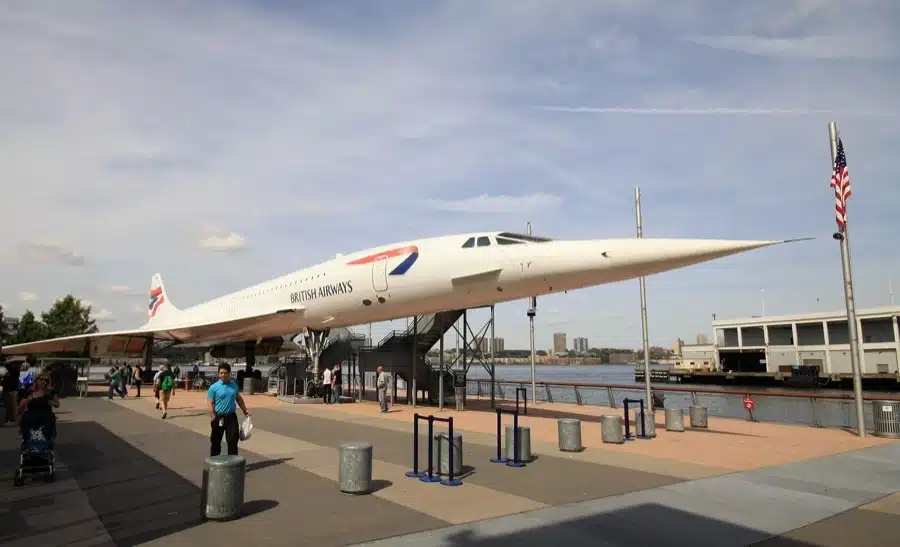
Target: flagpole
{"x":856,"y":358}
{"x":648,"y":393}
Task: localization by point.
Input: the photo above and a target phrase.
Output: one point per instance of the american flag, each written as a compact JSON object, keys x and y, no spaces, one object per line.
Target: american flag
{"x":840,"y":181}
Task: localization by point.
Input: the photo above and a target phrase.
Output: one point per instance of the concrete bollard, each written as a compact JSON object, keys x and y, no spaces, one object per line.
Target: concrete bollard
{"x":611,"y":429}
{"x":355,"y":473}
{"x":569,"y":435}
{"x":674,"y":419}
{"x":699,"y":417}
{"x":441,"y":454}
{"x":223,"y":487}
{"x":524,"y":443}
{"x":650,"y":425}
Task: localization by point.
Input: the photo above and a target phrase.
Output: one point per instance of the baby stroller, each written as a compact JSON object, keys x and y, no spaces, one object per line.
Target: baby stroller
{"x":38,"y":440}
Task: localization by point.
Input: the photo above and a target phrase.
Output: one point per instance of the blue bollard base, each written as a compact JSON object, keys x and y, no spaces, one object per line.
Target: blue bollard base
{"x":511,"y":463}
{"x":498,"y":460}
{"x":413,"y":474}
{"x":454,"y":482}
{"x":432,"y":478}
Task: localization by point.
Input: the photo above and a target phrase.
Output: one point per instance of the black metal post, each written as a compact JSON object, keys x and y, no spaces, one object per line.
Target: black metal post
{"x":430,"y":477}
{"x":643,"y":421}
{"x":524,"y":399}
{"x":415,"y":472}
{"x":628,"y":436}
{"x":451,"y":481}
{"x":499,"y":458}
{"x":516,"y":437}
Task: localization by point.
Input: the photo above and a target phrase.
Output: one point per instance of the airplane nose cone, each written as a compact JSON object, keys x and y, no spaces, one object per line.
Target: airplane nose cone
{"x":658,"y":255}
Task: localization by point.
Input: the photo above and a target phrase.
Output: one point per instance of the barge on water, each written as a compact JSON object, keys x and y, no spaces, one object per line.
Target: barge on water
{"x":798,"y":377}
{"x":807,"y":350}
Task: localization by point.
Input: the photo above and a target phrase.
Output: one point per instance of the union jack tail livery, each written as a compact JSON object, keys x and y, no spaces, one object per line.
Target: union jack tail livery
{"x":840,"y":182}
{"x":160,"y":308}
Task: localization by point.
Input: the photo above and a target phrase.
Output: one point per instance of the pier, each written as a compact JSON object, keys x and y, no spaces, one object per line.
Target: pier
{"x":127,"y":477}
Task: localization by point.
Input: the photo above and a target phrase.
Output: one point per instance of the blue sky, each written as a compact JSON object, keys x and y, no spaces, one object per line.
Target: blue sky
{"x":223,"y":143}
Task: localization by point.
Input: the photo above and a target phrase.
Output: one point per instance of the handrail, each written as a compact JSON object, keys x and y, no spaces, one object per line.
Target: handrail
{"x":413,"y":328}
{"x":817,"y":409}
{"x":774,"y":392}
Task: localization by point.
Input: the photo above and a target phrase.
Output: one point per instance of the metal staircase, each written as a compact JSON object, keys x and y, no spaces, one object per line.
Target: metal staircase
{"x":424,"y":333}
{"x":341,"y":344}
{"x":397,"y":348}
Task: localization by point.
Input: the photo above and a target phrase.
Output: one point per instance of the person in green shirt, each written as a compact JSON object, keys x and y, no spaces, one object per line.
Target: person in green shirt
{"x":166,"y":383}
{"x":115,"y":382}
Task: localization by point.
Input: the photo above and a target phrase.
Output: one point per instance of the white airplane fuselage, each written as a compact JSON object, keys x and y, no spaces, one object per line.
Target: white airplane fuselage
{"x":437,"y":274}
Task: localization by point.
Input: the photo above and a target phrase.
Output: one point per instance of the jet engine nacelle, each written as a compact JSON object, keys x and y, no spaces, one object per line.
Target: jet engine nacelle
{"x":238,"y":350}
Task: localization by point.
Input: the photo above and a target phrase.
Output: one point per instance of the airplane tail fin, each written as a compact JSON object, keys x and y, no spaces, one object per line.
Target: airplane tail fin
{"x":161,"y":309}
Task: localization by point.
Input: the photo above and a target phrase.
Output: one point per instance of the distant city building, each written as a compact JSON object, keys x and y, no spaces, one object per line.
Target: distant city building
{"x":580,"y":344}
{"x":559,"y":343}
{"x":622,"y":358}
{"x":485,"y":347}
{"x":676,"y":347}
{"x":702,"y":339}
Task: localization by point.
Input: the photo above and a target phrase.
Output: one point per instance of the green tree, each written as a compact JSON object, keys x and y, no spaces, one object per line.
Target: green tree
{"x":30,"y":329}
{"x":68,"y":317}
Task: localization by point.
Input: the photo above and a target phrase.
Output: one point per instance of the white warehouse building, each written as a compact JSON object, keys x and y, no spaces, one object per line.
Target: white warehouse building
{"x":771,"y":344}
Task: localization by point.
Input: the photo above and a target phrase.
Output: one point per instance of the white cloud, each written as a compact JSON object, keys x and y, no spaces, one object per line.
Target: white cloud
{"x":28,"y":297}
{"x":317,"y":133}
{"x":223,"y":242}
{"x":122,"y":290}
{"x":51,"y":253}
{"x":809,"y":47}
{"x":86,"y":303}
{"x":102,"y":315}
{"x":496,"y":204}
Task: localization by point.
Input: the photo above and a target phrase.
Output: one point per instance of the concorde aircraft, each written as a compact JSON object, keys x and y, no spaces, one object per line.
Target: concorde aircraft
{"x":394,"y":281}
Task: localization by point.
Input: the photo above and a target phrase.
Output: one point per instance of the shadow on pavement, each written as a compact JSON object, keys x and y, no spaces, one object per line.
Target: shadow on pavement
{"x":136,"y":498}
{"x":256,"y":466}
{"x":645,"y":525}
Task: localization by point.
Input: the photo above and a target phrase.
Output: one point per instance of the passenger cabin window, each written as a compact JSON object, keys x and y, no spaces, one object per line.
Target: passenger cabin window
{"x":484,"y":241}
{"x":469,"y":243}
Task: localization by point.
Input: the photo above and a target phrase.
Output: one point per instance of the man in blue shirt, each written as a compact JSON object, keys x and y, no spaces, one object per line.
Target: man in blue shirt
{"x":221,"y":401}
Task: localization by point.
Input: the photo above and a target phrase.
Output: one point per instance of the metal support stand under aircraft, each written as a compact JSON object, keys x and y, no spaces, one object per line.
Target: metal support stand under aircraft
{"x":471,"y":352}
{"x":315,"y":342}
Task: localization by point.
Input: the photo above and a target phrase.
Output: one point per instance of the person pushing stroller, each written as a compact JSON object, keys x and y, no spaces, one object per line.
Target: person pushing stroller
{"x":37,"y":426}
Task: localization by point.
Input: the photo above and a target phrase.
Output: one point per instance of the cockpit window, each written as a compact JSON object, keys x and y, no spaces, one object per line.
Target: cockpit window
{"x":469,"y":243}
{"x":505,"y":241}
{"x":484,"y":241}
{"x":522,"y":237}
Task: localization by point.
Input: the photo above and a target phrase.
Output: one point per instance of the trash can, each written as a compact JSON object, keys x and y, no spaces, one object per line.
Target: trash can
{"x":886,"y":418}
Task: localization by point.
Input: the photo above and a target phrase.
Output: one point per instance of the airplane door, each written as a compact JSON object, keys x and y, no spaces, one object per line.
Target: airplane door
{"x":379,"y":275}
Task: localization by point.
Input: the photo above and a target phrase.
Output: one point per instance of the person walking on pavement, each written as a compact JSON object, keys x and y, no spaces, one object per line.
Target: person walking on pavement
{"x":326,"y":385}
{"x":222,"y":401}
{"x":115,"y":383}
{"x":337,"y":384}
{"x":381,"y":381}
{"x":166,"y":382}
{"x":137,"y":379}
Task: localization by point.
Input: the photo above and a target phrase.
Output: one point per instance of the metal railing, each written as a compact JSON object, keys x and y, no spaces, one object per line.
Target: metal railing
{"x":812,"y":408}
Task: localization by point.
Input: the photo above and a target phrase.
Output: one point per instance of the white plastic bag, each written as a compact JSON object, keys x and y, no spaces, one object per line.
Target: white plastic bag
{"x":246,"y":429}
